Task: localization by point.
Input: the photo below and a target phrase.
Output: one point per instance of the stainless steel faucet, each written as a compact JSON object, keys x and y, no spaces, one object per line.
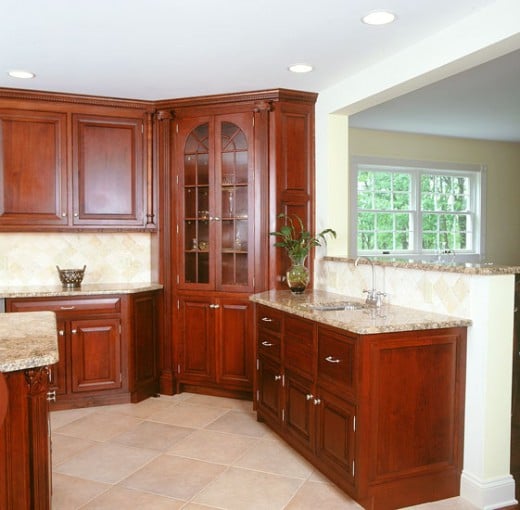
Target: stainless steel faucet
{"x":374,"y":297}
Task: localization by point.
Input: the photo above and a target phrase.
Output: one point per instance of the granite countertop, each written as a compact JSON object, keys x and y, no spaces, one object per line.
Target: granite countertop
{"x":484,"y":268}
{"x":27,"y":340}
{"x":368,"y":320}
{"x":85,"y":290}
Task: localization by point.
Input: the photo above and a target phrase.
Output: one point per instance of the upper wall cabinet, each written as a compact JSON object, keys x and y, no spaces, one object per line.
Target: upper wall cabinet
{"x":33,"y":168}
{"x":108,"y":171}
{"x":74,"y":163}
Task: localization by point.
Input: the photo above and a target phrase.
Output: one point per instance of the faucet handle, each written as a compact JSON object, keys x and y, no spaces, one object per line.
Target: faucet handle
{"x":379,"y":298}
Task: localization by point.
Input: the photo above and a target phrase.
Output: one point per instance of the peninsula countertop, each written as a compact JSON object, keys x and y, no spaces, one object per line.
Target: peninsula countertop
{"x":27,"y":340}
{"x":91,"y":289}
{"x":363,"y":321}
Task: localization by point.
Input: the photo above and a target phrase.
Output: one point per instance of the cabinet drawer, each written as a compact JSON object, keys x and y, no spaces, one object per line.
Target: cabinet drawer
{"x":269,"y":318}
{"x":104,"y":305}
{"x":268,"y":344}
{"x":299,"y":345}
{"x":336,"y":357}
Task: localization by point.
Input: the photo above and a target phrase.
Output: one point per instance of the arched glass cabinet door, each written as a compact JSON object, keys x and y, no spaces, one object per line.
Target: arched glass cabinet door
{"x":196,"y":203}
{"x":234,"y":177}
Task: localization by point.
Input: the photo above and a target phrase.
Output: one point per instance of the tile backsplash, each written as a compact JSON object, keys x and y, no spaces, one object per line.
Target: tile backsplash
{"x":432,"y":291}
{"x":31,"y":258}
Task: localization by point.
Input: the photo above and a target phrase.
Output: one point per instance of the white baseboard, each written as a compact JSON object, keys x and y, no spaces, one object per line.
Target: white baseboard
{"x":488,"y":494}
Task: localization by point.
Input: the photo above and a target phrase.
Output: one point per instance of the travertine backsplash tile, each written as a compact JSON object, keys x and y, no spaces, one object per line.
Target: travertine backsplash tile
{"x":31,"y":259}
{"x":433,"y":291}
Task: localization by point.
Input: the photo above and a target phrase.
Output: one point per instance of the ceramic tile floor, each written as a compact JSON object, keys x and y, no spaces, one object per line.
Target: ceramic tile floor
{"x":191,"y":452}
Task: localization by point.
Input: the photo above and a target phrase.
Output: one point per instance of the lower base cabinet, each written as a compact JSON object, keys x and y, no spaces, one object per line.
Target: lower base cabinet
{"x":381,"y":415}
{"x":108,"y":347}
{"x":214,"y":344}
{"x":25,"y":459}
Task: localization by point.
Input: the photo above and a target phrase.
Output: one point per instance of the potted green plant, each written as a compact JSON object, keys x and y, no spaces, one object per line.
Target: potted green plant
{"x":298,"y":242}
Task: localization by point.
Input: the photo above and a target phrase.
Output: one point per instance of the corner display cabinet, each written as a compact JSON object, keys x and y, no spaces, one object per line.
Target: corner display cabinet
{"x":232,"y":163}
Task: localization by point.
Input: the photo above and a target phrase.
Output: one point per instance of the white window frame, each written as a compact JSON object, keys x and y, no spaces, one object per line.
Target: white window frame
{"x":477,"y":176}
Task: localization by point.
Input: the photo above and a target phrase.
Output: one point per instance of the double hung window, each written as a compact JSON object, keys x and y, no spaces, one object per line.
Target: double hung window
{"x":412,"y":208}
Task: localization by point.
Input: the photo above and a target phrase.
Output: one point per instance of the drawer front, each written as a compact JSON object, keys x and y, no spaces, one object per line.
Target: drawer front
{"x":269,"y":318}
{"x":103,"y":305}
{"x":268,"y":344}
{"x":336,"y":357}
{"x":299,"y":345}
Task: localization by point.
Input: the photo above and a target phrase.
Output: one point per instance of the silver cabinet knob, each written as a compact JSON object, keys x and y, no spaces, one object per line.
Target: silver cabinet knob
{"x":309,"y":396}
{"x":317,"y":401}
{"x":74,"y":331}
{"x":51,"y":396}
{"x":277,"y":377}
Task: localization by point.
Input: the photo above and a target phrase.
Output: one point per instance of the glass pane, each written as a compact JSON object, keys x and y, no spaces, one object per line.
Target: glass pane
{"x":234,"y":201}
{"x":195,"y":238}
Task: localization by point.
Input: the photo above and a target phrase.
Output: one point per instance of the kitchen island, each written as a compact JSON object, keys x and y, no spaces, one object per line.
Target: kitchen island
{"x":28,"y":345}
{"x":373,"y":397}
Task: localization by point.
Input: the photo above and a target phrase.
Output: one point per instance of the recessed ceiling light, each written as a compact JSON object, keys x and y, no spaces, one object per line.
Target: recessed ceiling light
{"x":300,"y":68}
{"x":19,"y":73}
{"x":378,"y":18}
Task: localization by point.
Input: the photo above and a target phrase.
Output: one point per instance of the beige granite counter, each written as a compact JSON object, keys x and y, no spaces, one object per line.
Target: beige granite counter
{"x":84,"y":290}
{"x":367,"y":320}
{"x":484,"y":268}
{"x":27,"y":340}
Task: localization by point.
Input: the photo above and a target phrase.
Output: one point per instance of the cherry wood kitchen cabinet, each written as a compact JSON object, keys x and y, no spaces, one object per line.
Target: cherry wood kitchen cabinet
{"x":72,"y":162}
{"x":108,"y":347}
{"x":25,"y":456}
{"x":33,"y":168}
{"x":381,"y":414}
{"x":230,"y":164}
{"x":108,"y":170}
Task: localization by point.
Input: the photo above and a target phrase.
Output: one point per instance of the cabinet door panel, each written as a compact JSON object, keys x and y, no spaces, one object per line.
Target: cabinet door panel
{"x":299,"y":345}
{"x":95,"y":354}
{"x":335,"y":435}
{"x":235,"y":351}
{"x":108,"y":171}
{"x":33,"y":171}
{"x":299,"y":409}
{"x":269,"y":396}
{"x":197,"y":328}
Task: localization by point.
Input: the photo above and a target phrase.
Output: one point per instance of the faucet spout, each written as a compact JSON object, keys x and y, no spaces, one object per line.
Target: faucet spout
{"x":374,"y":297}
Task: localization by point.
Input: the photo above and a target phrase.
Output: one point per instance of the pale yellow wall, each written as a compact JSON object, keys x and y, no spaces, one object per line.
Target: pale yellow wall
{"x":503,"y":177}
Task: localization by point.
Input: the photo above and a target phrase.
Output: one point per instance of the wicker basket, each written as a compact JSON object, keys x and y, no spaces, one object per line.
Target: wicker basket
{"x":71,"y":277}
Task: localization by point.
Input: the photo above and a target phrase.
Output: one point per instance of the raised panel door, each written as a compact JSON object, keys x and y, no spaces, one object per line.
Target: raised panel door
{"x":269,"y":391}
{"x":95,"y":354}
{"x":299,"y":408}
{"x":235,"y":352}
{"x":108,"y":171}
{"x":33,"y":169}
{"x":335,"y":434}
{"x":196,"y":346}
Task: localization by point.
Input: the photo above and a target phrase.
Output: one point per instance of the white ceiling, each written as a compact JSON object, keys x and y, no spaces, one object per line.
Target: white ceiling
{"x":157,"y":49}
{"x":481,"y":103}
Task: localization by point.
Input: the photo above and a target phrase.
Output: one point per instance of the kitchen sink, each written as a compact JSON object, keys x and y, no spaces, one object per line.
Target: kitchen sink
{"x":335,"y":305}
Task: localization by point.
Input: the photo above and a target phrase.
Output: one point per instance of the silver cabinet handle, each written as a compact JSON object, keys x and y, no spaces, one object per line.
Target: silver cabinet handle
{"x":51,"y":396}
{"x":265,"y":343}
{"x":67,"y":307}
{"x":74,"y":331}
{"x":267,"y":319}
{"x":214,"y":218}
{"x":317,"y":401}
{"x":309,"y":396}
{"x":61,"y":332}
{"x":214,"y":306}
{"x":330,"y":359}
{"x":277,"y":377}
